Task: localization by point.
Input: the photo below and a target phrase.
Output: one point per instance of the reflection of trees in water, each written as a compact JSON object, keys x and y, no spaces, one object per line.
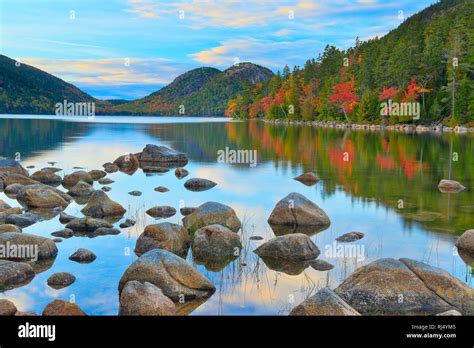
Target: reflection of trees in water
{"x":28,"y":136}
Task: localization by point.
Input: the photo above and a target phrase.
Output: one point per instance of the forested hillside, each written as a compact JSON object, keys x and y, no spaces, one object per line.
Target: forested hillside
{"x":428,"y":59}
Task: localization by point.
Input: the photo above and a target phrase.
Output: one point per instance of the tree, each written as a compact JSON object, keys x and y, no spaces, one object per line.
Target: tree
{"x":344,"y":97}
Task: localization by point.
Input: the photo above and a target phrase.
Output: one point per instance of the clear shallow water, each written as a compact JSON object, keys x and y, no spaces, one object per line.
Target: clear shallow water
{"x":360,"y":194}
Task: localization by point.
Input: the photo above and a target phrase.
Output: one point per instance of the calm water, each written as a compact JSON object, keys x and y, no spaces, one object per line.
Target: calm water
{"x":384,"y":185}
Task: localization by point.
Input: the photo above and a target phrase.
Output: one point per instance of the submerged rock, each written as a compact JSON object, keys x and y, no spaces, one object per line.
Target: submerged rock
{"x":135,"y":193}
{"x":145,"y":300}
{"x":72,"y":179}
{"x":390,"y":287}
{"x":161,"y":211}
{"x":324,"y":302}
{"x":180,"y":173}
{"x":128,"y":223}
{"x":7,"y":308}
{"x":100,"y":206}
{"x":161,"y":189}
{"x":450,"y":186}
{"x":62,"y":308}
{"x":173,"y":275}
{"x":296,"y":210}
{"x":211,"y":213}
{"x":308,"y":179}
{"x":321,"y":265}
{"x":350,"y":237}
{"x":97,"y":174}
{"x":14,"y":274}
{"x":83,"y":256}
{"x":22,"y":220}
{"x":168,"y":236}
{"x":106,"y":181}
{"x":65,"y":233}
{"x":198,"y":185}
{"x":61,"y":280}
{"x":186,"y":210}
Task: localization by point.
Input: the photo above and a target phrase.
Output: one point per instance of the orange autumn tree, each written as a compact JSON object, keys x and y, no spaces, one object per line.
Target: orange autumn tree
{"x":344,"y":97}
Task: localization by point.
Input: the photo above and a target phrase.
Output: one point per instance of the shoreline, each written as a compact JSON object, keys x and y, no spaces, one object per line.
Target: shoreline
{"x":403,"y":127}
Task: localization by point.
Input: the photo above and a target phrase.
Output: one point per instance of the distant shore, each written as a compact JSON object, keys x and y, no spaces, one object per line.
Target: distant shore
{"x":403,"y":127}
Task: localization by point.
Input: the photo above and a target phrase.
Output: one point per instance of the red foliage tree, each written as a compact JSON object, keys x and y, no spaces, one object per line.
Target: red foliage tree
{"x":344,"y":97}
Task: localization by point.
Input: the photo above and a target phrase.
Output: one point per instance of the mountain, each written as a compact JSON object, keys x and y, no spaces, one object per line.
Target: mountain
{"x":27,"y":90}
{"x":428,"y":59}
{"x":199,"y":92}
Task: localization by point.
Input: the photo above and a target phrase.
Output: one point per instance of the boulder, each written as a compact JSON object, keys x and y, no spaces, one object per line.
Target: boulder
{"x":321,"y":265}
{"x":65,"y":233}
{"x":22,"y":220}
{"x":174,"y":276}
{"x":452,"y":186}
{"x":6,"y":213}
{"x":308,"y":179}
{"x":215,"y":242}
{"x":8,"y":166}
{"x":106,"y":181}
{"x":18,"y":179}
{"x":29,"y":247}
{"x":163,"y":211}
{"x":180,"y":173}
{"x":13,"y":189}
{"x":14,"y":274}
{"x":198,"y":185}
{"x":7,"y":308}
{"x":186,"y":210}
{"x":443,"y":284}
{"x":127,"y":163}
{"x":135,"y":193}
{"x":145,"y":300}
{"x":87,"y":224}
{"x":389,"y":287}
{"x":83,"y":256}
{"x":47,"y":177}
{"x":111,"y":168}
{"x":62,"y":308}
{"x":102,"y":231}
{"x":466,"y":242}
{"x":51,"y":170}
{"x":42,"y":196}
{"x":168,"y":236}
{"x":296,"y":210}
{"x":81,"y":189}
{"x":350,"y":237}
{"x":9,"y":228}
{"x":293,"y":247}
{"x":162,"y":154}
{"x":100,"y":206}
{"x":97,"y":174}
{"x":211,"y":213}
{"x":65,"y":218}
{"x":324,"y":302}
{"x":61,"y":280}
{"x":72,"y":179}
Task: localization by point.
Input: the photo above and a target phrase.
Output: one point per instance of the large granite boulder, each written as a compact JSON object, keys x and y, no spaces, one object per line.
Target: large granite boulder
{"x":144,"y":300}
{"x":211,"y":213}
{"x":324,"y":302}
{"x":174,"y":276}
{"x":297,"y":247}
{"x":168,"y":236}
{"x":296,"y":210}
{"x":163,"y":155}
{"x":402,"y":287}
{"x":466,"y":242}
{"x":100,"y":206}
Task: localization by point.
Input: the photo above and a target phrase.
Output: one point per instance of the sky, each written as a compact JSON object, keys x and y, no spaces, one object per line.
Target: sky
{"x":130,"y":48}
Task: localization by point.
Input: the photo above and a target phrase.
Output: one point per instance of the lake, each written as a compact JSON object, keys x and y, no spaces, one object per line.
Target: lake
{"x":383,"y":184}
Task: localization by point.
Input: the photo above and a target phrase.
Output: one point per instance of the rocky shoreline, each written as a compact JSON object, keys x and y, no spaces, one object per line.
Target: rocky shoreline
{"x":405,"y":128}
{"x":161,"y":282}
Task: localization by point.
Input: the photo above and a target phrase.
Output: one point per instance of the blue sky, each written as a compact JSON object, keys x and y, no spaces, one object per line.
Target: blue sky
{"x":130,"y":48}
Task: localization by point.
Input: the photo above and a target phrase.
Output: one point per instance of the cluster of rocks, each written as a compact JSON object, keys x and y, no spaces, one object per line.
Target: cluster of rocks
{"x":407,"y":128}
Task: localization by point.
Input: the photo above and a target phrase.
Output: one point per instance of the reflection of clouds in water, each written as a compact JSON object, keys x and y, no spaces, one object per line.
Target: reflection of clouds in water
{"x":228,"y":180}
{"x":23,"y":300}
